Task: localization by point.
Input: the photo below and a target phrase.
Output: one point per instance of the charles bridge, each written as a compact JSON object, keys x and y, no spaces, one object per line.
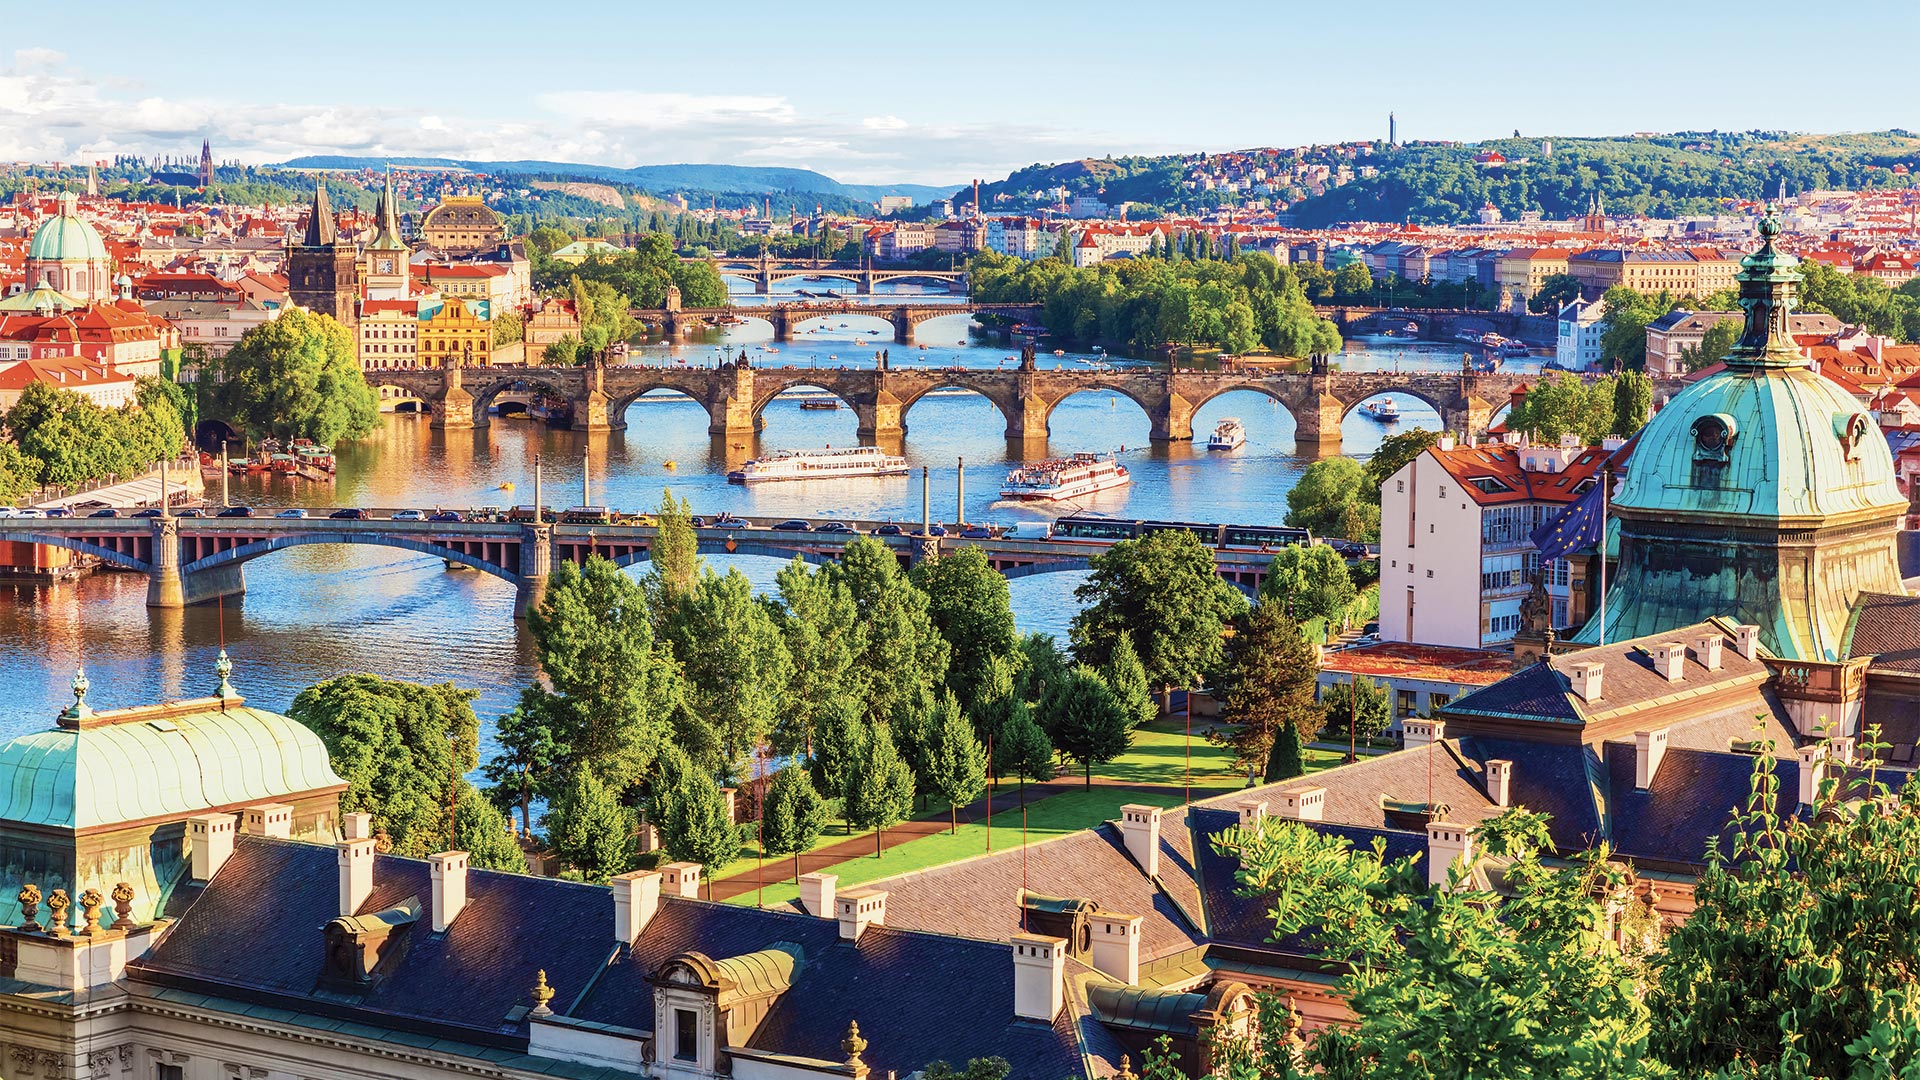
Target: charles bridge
{"x":735,"y":395}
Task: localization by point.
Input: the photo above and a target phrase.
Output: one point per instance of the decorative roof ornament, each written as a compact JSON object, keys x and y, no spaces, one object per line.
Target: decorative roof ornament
{"x":1767,"y":279}
{"x":223,"y":667}
{"x":853,"y":1044}
{"x":90,"y":902}
{"x":542,"y":994}
{"x":79,"y":710}
{"x":57,"y":905}
{"x":29,"y":906}
{"x":1126,"y":1068}
{"x":122,"y":905}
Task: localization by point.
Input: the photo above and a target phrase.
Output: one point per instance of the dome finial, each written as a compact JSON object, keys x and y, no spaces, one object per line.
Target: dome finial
{"x":79,"y":710}
{"x":223,"y":667}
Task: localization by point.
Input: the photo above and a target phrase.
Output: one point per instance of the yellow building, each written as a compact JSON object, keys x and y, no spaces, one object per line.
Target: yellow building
{"x":455,"y":336}
{"x":1520,"y":273}
{"x":463,"y":225}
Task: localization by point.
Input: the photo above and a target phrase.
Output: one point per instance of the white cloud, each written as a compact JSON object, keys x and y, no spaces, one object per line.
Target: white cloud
{"x":884,"y":123}
{"x":37,"y":56}
{"x":663,"y":112}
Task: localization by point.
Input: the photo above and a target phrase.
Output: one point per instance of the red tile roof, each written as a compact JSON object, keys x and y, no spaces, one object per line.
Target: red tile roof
{"x":1434,"y":663}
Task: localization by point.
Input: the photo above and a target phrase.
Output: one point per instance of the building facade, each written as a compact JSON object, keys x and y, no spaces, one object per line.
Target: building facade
{"x":1582,"y":326}
{"x":323,"y":269}
{"x":462,"y":225}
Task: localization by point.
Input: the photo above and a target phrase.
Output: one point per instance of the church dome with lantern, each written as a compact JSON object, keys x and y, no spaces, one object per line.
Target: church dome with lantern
{"x":67,"y":255}
{"x":1764,"y":493}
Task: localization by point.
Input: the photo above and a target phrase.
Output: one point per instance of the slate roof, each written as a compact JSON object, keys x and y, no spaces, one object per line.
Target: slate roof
{"x":1887,"y":628}
{"x":1687,"y":806}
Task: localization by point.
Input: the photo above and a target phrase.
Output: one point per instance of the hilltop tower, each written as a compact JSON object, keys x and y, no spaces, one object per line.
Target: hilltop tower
{"x":1393,"y":131}
{"x":206,"y":163}
{"x":323,"y":271}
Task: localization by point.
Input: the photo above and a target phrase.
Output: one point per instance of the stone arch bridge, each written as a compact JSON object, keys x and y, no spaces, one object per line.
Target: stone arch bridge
{"x":735,"y":396}
{"x":677,"y":322}
{"x":765,"y":272}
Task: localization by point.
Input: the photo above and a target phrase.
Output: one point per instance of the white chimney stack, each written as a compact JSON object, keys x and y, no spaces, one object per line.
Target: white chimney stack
{"x":816,"y":894}
{"x":1252,"y":813}
{"x":1446,"y":441}
{"x":859,"y":909}
{"x":357,"y":826}
{"x":1840,"y":749}
{"x":1500,"y":782}
{"x":1447,"y":843}
{"x":212,"y":839}
{"x":1706,"y":649}
{"x":1116,"y":945}
{"x":1648,"y":748}
{"x":1307,"y":804}
{"x":1039,"y":971}
{"x":1419,"y":733}
{"x":681,"y":879}
{"x":636,"y":896}
{"x":1813,"y":772}
{"x":356,"y":873}
{"x":1669,"y":660}
{"x":1746,"y":640}
{"x":268,"y":819}
{"x":449,"y":872}
{"x":1585,"y":677}
{"x":1140,"y":825}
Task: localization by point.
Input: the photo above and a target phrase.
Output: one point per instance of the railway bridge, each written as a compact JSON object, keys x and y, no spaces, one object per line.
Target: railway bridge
{"x":735,"y":395}
{"x":764,"y":272}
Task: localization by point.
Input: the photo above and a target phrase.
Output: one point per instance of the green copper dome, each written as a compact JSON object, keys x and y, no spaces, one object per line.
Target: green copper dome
{"x":66,"y":238}
{"x":1763,"y":493}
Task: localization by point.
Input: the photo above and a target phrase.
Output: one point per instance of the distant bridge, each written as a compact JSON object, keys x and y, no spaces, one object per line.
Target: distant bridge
{"x":785,"y":318}
{"x":1440,"y":324}
{"x":735,"y":396}
{"x":764,"y":272}
{"x":197,"y":560}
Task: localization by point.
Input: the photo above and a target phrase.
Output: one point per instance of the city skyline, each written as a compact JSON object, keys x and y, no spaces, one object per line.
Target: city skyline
{"x":879,"y":95}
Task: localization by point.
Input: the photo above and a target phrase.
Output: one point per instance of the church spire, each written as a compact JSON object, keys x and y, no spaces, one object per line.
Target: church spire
{"x":319,"y":219}
{"x":387,"y":229}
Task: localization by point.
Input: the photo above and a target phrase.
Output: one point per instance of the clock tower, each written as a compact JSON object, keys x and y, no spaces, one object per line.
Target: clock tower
{"x":384,"y":266}
{"x":323,"y":271}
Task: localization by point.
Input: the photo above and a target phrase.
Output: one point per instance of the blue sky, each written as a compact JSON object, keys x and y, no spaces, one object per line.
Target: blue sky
{"x":917,"y":92}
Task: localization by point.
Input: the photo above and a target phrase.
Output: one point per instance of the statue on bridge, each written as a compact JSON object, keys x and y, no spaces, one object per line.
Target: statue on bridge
{"x":1027,"y":359}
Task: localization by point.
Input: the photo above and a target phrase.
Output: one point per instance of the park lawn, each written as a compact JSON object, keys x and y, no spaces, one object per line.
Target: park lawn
{"x":1046,"y":819}
{"x":1159,"y":755}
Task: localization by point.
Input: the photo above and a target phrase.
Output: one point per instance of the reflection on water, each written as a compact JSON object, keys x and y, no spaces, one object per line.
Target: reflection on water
{"x":318,"y":611}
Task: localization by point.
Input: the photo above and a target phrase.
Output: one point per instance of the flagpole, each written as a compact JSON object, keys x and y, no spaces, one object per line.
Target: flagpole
{"x":1606,"y":483}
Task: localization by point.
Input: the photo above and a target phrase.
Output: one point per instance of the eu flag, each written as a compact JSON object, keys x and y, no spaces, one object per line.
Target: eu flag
{"x":1580,"y":525}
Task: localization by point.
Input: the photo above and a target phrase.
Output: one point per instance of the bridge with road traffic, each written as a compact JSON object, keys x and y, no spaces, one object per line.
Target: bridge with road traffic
{"x":764,"y":272}
{"x":196,"y":560}
{"x":677,"y":321}
{"x":735,"y":395}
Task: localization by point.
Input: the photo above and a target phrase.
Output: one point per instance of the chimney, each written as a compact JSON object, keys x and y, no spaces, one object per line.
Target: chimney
{"x":1706,"y":649}
{"x":1446,"y":441}
{"x":1039,"y":969}
{"x":357,"y":826}
{"x":1116,"y":945}
{"x":1648,"y":748}
{"x":449,"y":872}
{"x":1669,"y":660}
{"x":859,"y":909}
{"x":816,"y":894}
{"x":1840,"y":749}
{"x":1585,"y":677}
{"x":681,"y":879}
{"x":1500,"y":782}
{"x":1447,"y":843}
{"x":1306,"y":804}
{"x":268,"y":819}
{"x":636,"y":896}
{"x":1423,"y":732}
{"x":1746,"y":639}
{"x":356,"y":873}
{"x":1252,"y":813}
{"x":212,"y":838}
{"x":1140,"y":825}
{"x":1813,"y":771}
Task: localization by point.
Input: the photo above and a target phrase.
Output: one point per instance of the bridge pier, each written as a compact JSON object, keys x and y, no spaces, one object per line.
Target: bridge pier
{"x":730,"y":410}
{"x":902,"y":327}
{"x":782,"y":325}
{"x":1175,"y":423}
{"x":1468,"y":416}
{"x":164,"y":588}
{"x":536,"y":565}
{"x":455,"y":407}
{"x":880,"y":421}
{"x":1316,"y":427}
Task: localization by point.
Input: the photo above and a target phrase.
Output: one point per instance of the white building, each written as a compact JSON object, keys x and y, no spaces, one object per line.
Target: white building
{"x":1456,"y":555}
{"x":1582,"y":325}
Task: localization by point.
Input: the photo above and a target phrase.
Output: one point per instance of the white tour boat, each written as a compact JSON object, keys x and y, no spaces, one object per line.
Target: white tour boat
{"x":1065,"y":478}
{"x":828,"y":464}
{"x":1229,"y":434}
{"x":1383,"y":410}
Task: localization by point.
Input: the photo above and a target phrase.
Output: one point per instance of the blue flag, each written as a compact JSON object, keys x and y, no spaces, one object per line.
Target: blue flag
{"x":1579,"y":526}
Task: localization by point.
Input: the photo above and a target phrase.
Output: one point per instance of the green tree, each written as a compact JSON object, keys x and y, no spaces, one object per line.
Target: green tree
{"x":524,"y":767}
{"x":485,"y":833}
{"x":1623,"y":342}
{"x":1022,"y":748}
{"x":956,"y":764}
{"x":734,"y":663}
{"x":1361,"y":705}
{"x":508,"y":328}
{"x":1042,"y":665}
{"x":1330,"y":499}
{"x":1632,"y":402}
{"x":1567,"y":405}
{"x":1309,"y":581}
{"x":1534,"y":984}
{"x":1086,"y":720}
{"x":839,"y":740}
{"x":296,"y":376}
{"x":1395,"y":452}
{"x":690,"y":811}
{"x":970,"y":605}
{"x":1128,"y":678}
{"x":1714,"y":345}
{"x":903,"y":652}
{"x":564,"y":351}
{"x":1803,"y":951}
{"x":615,"y":689}
{"x":879,"y":789}
{"x":1163,"y":591}
{"x":991,"y":1068}
{"x":794,"y":817}
{"x":673,"y":559}
{"x":1267,"y":686}
{"x":824,"y":636}
{"x":1556,"y":292}
{"x":18,"y":472}
{"x":589,"y":830}
{"x":404,"y":750}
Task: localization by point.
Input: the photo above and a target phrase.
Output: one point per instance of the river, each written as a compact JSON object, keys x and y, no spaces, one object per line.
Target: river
{"x":314,"y":612}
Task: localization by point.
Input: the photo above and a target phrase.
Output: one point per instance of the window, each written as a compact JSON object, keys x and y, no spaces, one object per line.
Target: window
{"x":1403,"y":705}
{"x":170,"y":1072}
{"x":1436,"y":702}
{"x":686,"y":1035}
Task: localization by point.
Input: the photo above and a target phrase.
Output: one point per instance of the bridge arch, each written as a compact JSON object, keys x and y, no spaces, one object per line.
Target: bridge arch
{"x":250,"y":551}
{"x":1347,"y":407}
{"x":483,"y":396}
{"x":803,"y":378}
{"x":1155,"y":410}
{"x":74,"y":543}
{"x":617,"y":406}
{"x":1261,"y":389}
{"x":1003,"y":401}
{"x":766,"y":548}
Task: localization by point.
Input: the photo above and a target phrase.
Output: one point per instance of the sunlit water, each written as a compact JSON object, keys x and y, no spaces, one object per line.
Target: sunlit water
{"x":314,"y":612}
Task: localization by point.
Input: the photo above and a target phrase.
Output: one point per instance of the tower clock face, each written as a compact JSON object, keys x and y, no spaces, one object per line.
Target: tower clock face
{"x":386,"y":266}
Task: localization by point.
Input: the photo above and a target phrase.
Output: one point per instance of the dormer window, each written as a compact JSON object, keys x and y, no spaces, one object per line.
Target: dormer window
{"x":1488,"y":485}
{"x":686,"y":1035}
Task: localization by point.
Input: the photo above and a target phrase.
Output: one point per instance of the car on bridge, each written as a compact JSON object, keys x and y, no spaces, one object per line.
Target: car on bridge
{"x":728,"y":521}
{"x":447,"y":515}
{"x":351,"y":513}
{"x":889,"y":530}
{"x":792,"y":525}
{"x":105,"y":512}
{"x":835,"y":527}
{"x":978,"y":532}
{"x":409,"y":515}
{"x":189,"y":511}
{"x":292,"y":512}
{"x":236,"y":512}
{"x":59,"y":512}
{"x":149,"y":512}
{"x":937,"y":530}
{"x":30,"y":512}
